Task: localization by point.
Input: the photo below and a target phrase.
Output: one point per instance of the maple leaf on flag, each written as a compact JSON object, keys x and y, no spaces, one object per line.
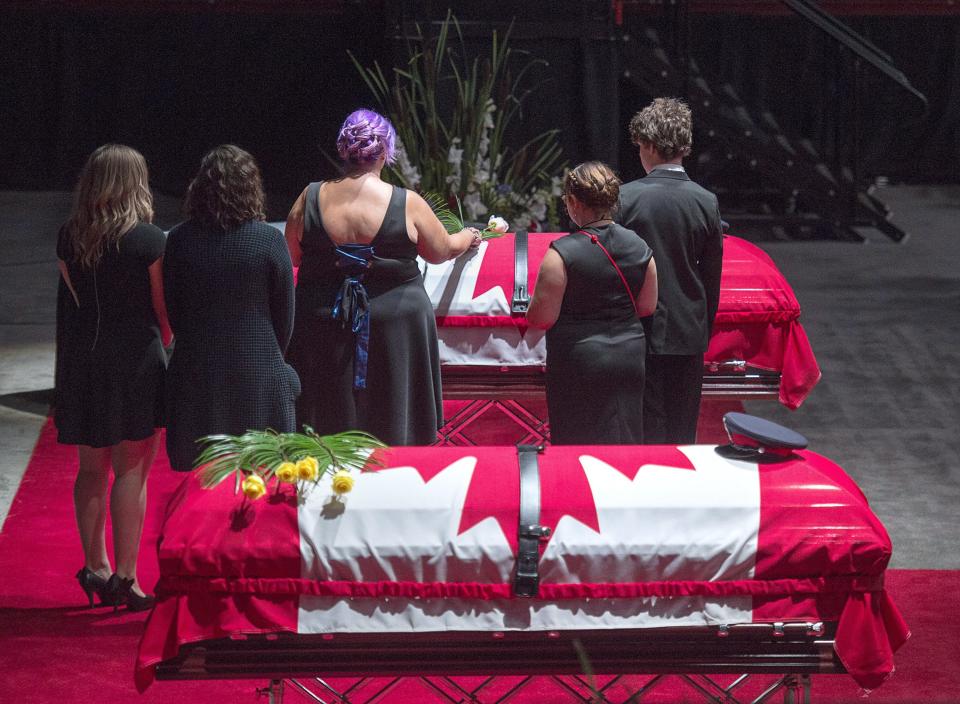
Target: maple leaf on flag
{"x":496,"y":268}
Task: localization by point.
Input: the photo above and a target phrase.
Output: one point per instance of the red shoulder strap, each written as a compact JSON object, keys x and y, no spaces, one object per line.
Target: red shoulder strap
{"x":623,"y":279}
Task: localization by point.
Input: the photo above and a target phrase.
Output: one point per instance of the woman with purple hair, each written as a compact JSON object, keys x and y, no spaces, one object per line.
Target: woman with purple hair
{"x":365,"y":340}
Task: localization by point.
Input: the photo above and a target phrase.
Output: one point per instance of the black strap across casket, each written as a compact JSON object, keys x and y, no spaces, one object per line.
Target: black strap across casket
{"x":521,"y":291}
{"x":526,"y":581}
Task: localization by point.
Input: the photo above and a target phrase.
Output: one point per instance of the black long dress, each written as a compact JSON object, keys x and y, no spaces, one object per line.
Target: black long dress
{"x":110,"y":358}
{"x":400,"y":401}
{"x":595,"y":350}
{"x":230,"y":301}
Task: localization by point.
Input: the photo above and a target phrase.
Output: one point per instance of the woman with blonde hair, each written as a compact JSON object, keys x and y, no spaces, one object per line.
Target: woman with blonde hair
{"x":111,"y":331}
{"x":593,"y":288}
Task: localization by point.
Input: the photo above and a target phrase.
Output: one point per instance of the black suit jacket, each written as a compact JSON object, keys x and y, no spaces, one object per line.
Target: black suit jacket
{"x":681,"y":222}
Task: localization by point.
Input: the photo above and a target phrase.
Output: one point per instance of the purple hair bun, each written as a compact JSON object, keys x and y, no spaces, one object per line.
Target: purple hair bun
{"x":364,"y":136}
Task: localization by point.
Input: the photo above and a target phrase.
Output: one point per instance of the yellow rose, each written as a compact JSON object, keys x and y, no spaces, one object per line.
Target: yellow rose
{"x":342,"y":482}
{"x":287,"y":472}
{"x":308,"y":468}
{"x":253,"y":487}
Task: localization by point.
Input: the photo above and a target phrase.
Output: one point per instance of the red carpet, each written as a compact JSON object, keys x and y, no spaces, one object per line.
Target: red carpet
{"x":52,"y":650}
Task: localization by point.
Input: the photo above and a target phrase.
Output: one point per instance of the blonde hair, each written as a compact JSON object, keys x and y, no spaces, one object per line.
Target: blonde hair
{"x":111,"y":197}
{"x":594,"y":184}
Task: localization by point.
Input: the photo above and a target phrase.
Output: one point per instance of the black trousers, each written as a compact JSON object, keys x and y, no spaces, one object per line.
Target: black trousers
{"x":671,"y":398}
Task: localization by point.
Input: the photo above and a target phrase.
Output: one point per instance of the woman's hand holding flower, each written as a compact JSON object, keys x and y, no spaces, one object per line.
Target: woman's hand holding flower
{"x":477,"y":237}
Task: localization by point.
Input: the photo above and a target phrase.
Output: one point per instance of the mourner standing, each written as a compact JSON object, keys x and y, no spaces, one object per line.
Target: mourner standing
{"x":365,"y":339}
{"x":111,"y":328}
{"x":229,"y":291}
{"x":593,"y":287}
{"x":680,"y":221}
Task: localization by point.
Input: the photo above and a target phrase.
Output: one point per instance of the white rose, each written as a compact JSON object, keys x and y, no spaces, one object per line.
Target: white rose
{"x":497,"y":224}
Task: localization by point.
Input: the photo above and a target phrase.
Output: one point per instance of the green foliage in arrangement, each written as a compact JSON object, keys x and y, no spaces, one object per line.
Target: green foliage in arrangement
{"x":451,"y":221}
{"x":262,"y":452}
{"x":453,"y":115}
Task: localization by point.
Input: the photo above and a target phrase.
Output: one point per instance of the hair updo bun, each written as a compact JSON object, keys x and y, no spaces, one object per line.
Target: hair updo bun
{"x":364,"y":136}
{"x":594,"y":184}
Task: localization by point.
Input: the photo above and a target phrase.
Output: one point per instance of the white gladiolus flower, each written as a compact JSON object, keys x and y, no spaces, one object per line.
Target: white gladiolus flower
{"x":455,"y":159}
{"x":455,"y":155}
{"x":473,"y":205}
{"x":538,"y":210}
{"x":408,"y":172}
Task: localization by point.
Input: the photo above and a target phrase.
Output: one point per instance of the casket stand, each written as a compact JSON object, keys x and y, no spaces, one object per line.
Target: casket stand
{"x":491,"y":360}
{"x":653,"y":559}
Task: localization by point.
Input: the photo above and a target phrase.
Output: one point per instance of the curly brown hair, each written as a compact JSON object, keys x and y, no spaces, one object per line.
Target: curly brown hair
{"x":594,"y":184}
{"x":667,"y":124}
{"x":227,"y":190}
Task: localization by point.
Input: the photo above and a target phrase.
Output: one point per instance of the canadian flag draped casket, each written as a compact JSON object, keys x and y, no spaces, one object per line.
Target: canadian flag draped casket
{"x":757,"y":325}
{"x":640,"y":538}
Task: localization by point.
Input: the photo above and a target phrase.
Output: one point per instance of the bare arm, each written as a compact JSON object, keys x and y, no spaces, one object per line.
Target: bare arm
{"x":65,"y":273}
{"x":647,"y":298}
{"x":282,"y":294}
{"x":294,"y":229}
{"x":434,"y":244}
{"x":159,"y":305}
{"x":548,"y":293}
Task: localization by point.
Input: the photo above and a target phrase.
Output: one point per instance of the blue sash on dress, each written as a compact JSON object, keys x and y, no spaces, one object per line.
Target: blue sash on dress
{"x":352,"y":305}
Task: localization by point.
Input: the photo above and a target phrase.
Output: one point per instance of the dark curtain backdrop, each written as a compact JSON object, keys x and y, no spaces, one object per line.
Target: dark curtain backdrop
{"x":804,"y":78}
{"x":174,"y":84}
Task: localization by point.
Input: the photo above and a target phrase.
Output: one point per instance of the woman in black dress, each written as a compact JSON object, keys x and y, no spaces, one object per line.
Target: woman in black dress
{"x":111,"y":330}
{"x":229,"y":292}
{"x":365,"y":340}
{"x":593,"y":287}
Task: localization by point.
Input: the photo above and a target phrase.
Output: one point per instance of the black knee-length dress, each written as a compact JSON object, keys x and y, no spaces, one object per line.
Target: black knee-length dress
{"x":110,"y":359}
{"x":595,"y":350}
{"x":230,"y":301}
{"x":400,"y":400}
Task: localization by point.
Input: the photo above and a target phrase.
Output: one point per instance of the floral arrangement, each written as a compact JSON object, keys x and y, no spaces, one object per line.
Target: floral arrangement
{"x":465,"y":153}
{"x":259,"y":457}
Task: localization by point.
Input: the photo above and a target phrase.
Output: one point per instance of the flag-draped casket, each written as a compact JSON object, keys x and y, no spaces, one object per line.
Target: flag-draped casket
{"x":757,"y":343}
{"x":757,"y":327}
{"x":641,"y":538}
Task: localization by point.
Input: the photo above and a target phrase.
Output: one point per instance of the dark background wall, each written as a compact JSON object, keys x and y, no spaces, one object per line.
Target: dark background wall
{"x":176,"y":78}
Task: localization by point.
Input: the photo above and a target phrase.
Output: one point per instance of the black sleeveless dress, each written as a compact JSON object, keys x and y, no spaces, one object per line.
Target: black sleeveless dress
{"x":595,"y":350}
{"x":399,"y":400}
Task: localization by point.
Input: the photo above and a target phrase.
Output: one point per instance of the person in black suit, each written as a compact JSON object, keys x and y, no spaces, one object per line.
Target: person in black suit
{"x":680,"y":221}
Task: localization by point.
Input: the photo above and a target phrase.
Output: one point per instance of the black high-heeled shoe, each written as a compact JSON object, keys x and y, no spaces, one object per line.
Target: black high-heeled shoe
{"x":91,"y":583}
{"x":121,"y":592}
